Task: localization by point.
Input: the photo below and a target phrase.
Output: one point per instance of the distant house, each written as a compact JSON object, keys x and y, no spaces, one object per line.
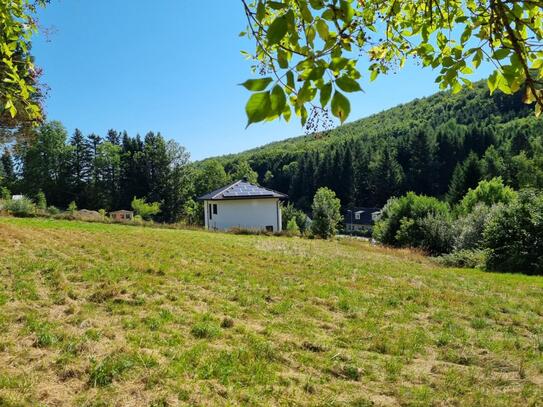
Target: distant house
{"x":17,"y":197}
{"x":244,"y":205}
{"x":121,"y":215}
{"x":358,"y":219}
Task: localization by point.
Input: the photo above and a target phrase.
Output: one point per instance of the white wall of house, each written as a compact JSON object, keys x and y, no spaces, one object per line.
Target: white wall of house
{"x":243,"y":213}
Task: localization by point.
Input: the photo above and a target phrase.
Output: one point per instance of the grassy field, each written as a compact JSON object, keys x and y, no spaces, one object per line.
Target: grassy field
{"x":100,"y":315}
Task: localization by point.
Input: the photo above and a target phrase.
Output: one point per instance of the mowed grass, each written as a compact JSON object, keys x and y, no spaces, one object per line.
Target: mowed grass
{"x":100,"y":315}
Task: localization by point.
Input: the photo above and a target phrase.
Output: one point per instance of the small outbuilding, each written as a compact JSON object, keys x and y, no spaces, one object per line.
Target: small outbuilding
{"x":243,"y":205}
{"x":121,"y":215}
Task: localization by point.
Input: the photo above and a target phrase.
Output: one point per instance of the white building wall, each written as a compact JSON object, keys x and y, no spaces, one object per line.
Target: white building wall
{"x":243,"y":213}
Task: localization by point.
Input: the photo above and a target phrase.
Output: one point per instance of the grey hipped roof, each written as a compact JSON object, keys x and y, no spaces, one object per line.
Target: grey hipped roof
{"x":241,"y":190}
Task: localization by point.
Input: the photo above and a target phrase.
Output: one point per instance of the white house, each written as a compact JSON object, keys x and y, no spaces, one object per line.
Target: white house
{"x":243,"y":205}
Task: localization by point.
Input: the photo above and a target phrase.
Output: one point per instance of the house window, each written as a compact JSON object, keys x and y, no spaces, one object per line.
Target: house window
{"x":214,"y":209}
{"x":209,"y":211}
{"x":357,"y":216}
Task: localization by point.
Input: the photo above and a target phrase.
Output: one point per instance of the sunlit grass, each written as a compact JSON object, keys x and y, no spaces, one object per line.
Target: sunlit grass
{"x":94,"y":314}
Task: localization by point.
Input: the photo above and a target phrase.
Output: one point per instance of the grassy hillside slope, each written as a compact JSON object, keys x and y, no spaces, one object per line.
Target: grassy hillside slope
{"x":98,"y":315}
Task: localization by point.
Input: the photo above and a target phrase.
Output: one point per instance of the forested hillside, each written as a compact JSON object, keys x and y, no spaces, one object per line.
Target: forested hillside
{"x":441,"y":145}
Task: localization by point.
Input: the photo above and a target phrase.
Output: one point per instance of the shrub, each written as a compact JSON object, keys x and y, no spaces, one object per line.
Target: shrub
{"x":405,"y":221}
{"x":289,"y":212}
{"x":326,"y":213}
{"x":20,"y":207}
{"x":437,"y":233}
{"x":469,"y":227}
{"x":464,"y":259}
{"x":144,"y":209}
{"x":514,"y":235}
{"x":72,"y":207}
{"x":488,"y":193}
{"x":5,"y":194}
{"x":193,"y":212}
{"x":53,"y":210}
{"x":292,"y":227}
{"x":41,"y":201}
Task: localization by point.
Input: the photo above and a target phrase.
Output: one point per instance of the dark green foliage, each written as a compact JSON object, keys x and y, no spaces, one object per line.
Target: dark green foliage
{"x":97,"y":173}
{"x":439,"y":146}
{"x":415,"y":221}
{"x":514,"y":235}
{"x":465,"y":176}
{"x":290,"y":213}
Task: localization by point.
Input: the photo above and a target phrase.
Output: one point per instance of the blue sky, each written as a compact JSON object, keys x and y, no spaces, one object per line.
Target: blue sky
{"x":173,"y":66}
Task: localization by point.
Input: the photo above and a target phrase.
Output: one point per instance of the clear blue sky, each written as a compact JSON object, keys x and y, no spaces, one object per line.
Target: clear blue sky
{"x":172,"y":66}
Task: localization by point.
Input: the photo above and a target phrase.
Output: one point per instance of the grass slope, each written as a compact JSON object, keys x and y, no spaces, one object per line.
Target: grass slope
{"x":100,"y":315}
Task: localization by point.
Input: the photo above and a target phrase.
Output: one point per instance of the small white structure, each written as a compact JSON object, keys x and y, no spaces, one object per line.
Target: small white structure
{"x":243,"y":205}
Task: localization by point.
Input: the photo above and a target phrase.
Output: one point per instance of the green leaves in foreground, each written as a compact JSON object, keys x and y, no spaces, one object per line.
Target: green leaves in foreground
{"x":315,"y":47}
{"x":340,"y":106}
{"x":266,"y":105}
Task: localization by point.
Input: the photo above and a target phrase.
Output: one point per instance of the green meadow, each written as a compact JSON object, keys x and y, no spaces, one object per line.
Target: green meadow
{"x":112,"y":315}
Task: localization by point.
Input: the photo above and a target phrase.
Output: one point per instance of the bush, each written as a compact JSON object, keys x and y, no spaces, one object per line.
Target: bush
{"x":53,"y":210}
{"x":5,"y":194}
{"x":437,"y":234}
{"x":326,"y":213}
{"x":72,"y":207}
{"x":144,"y":209}
{"x":514,"y":235}
{"x":292,"y":227}
{"x":469,"y":227}
{"x":406,"y":221}
{"x":488,"y":193}
{"x":41,"y":201}
{"x":20,"y":207}
{"x":464,"y":259}
{"x":289,"y":212}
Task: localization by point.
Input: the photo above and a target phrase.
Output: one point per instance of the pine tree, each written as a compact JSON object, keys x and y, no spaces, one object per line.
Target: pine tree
{"x":7,"y":169}
{"x":466,"y":175}
{"x":387,"y":175}
{"x":79,"y":168}
{"x":421,"y":166}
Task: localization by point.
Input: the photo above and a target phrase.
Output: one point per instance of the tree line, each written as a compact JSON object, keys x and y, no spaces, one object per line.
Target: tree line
{"x":107,"y":172}
{"x":438,"y":146}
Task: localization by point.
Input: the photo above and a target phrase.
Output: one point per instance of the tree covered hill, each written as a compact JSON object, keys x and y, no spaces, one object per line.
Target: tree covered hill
{"x":440,"y":145}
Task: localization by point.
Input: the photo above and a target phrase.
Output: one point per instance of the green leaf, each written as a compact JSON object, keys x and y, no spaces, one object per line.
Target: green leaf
{"x":258,"y":107}
{"x":347,"y":10}
{"x":278,"y":100}
{"x":260,"y":11}
{"x":348,"y":84}
{"x":282,"y":59}
{"x":326,"y":92}
{"x":373,"y":75}
{"x":304,"y":11}
{"x":501,"y":53}
{"x":322,"y":29}
{"x":256,"y":85}
{"x":340,"y":106}
{"x":277,"y":30}
{"x":477,"y":58}
{"x":493,"y":81}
